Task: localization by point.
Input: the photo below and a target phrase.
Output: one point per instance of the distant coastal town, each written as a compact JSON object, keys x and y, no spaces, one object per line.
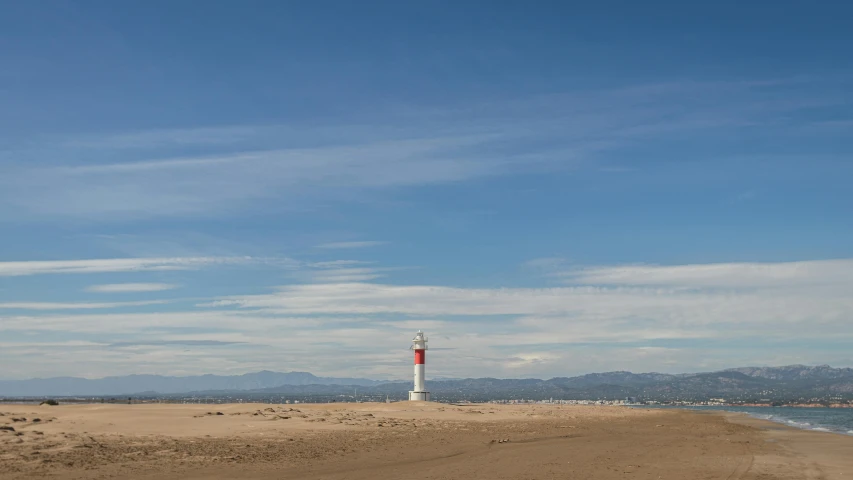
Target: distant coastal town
{"x":720,"y":402}
{"x":630,"y":401}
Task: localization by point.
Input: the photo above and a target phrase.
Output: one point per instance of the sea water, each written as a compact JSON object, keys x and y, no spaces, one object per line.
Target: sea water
{"x":836,"y":420}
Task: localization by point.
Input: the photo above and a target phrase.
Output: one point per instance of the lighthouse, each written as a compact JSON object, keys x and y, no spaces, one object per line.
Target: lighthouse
{"x":419,"y":345}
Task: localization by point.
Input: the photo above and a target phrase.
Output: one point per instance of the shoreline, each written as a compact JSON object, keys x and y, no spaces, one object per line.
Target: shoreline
{"x":792,"y":424}
{"x":761,"y":405}
{"x":825,"y":454}
{"x":744,"y":418}
{"x":806,"y":424}
{"x":407,"y":439}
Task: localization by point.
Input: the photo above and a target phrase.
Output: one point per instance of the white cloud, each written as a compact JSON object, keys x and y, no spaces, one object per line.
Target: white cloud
{"x":130,"y":287}
{"x":338,"y":263}
{"x":218,"y":183}
{"x":574,"y":314}
{"x":531,"y":359}
{"x":245,"y":165}
{"x":113,"y":265}
{"x":344,"y":271}
{"x":170,"y":138}
{"x":686,"y":318}
{"x":74,"y":306}
{"x":344,"y":275}
{"x":363,"y":244}
{"x":721,"y":275}
{"x":368,"y":298}
{"x":263,"y":326}
{"x":546,"y":263}
{"x":782,"y":301}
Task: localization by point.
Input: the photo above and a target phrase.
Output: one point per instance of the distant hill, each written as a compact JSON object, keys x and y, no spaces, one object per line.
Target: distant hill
{"x":795,"y":382}
{"x":796,"y":372}
{"x":133,"y":384}
{"x":748,"y":383}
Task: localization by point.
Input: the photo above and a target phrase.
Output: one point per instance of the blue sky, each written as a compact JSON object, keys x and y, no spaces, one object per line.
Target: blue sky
{"x":546,"y":189}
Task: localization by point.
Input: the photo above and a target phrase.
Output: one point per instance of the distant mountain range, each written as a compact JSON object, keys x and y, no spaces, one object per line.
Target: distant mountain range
{"x":749,"y":383}
{"x":783,"y":384}
{"x":134,"y":384}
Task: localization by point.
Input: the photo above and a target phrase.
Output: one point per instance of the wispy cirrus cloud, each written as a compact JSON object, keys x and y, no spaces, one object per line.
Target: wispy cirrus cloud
{"x":581,"y":304}
{"x":721,"y":275}
{"x":350,"y":275}
{"x":40,"y":267}
{"x":776,"y":301}
{"x":338,"y":263}
{"x":545,"y":263}
{"x":188,"y":343}
{"x":75,"y":306}
{"x":131,"y":287}
{"x":343,"y":271}
{"x":181,"y":186}
{"x":357,"y":244}
{"x":234,"y":167}
{"x":659,"y":317}
{"x":160,"y":138}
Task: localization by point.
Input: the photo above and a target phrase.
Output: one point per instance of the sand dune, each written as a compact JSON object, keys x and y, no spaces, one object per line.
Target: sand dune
{"x":404,"y":440}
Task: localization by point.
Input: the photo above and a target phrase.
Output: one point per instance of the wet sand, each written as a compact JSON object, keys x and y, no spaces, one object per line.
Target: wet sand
{"x":411,"y":440}
{"x":818,"y":455}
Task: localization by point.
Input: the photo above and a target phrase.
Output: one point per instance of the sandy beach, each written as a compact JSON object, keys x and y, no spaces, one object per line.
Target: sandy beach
{"x":407,"y":440}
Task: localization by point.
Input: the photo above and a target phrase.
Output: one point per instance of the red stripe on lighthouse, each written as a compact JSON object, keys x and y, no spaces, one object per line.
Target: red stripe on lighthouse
{"x":420,"y":357}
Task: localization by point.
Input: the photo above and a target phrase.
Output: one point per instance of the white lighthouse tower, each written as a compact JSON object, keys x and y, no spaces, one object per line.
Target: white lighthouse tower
{"x":419,"y":345}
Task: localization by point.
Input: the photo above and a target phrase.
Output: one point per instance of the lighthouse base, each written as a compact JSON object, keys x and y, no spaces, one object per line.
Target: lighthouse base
{"x":418,"y":396}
